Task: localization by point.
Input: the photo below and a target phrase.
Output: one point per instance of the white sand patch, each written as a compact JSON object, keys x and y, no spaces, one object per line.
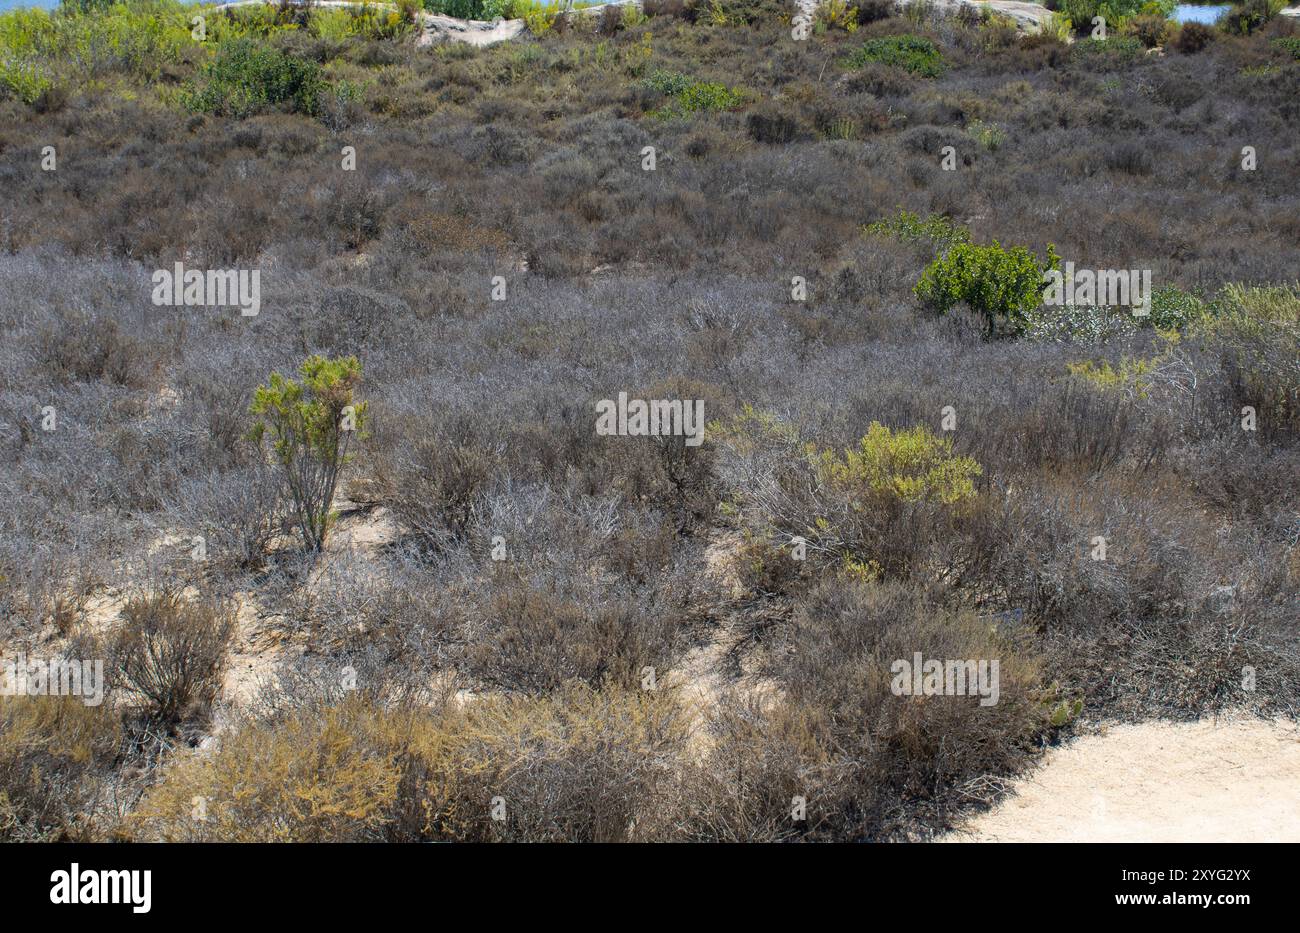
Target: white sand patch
{"x":1231,"y":780}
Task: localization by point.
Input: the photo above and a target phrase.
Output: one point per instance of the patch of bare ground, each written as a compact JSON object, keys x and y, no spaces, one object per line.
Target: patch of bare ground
{"x":261,"y":643}
{"x":1234,"y":779}
{"x":722,"y":665}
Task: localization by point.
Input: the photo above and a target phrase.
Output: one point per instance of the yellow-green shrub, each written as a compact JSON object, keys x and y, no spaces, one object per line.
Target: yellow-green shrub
{"x":1133,"y":374}
{"x":912,"y":466}
{"x":580,"y":764}
{"x":1256,"y":335}
{"x":54,"y":754}
{"x":877,"y":509}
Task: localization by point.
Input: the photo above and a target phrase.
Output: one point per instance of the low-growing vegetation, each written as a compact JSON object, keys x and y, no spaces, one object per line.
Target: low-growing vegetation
{"x":358,"y":560}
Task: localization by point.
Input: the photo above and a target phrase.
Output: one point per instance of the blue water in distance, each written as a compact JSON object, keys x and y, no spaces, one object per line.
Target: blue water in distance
{"x":1184,"y":13}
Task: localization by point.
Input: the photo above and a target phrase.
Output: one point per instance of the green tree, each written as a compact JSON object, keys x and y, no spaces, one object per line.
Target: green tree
{"x":311,"y":425}
{"x":1003,"y":285}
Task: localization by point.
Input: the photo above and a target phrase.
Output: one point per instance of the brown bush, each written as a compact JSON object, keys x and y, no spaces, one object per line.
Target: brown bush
{"x":172,"y":652}
{"x":580,"y":766}
{"x":870,"y":764}
{"x":1193,"y":37}
{"x":55,"y":757}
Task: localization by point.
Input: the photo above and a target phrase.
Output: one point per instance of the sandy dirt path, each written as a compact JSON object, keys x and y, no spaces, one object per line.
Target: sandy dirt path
{"x":1234,"y":780}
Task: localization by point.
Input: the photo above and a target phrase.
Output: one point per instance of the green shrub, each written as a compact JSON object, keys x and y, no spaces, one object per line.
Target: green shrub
{"x":1117,"y":13}
{"x":26,"y":37}
{"x":1106,"y":53}
{"x":37,"y":48}
{"x":367,"y":21}
{"x":690,"y":95}
{"x":989,"y":135}
{"x":915,"y":54}
{"x":1173,"y":309}
{"x":311,"y":425}
{"x":1290,"y":45}
{"x":1004,"y":286}
{"x":247,"y":78}
{"x":466,"y":9}
{"x":938,"y":230}
{"x":739,"y":12}
{"x":1246,"y":17}
{"x":908,"y":465}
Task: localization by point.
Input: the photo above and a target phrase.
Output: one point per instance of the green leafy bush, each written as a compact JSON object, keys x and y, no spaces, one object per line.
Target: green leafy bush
{"x":938,"y":230}
{"x":1288,"y":44}
{"x":1173,"y":309}
{"x":1246,"y":17}
{"x":247,"y":78}
{"x":311,"y":425}
{"x":1004,"y":286}
{"x":915,"y":54}
{"x":1106,"y":53}
{"x":690,"y":95}
{"x":367,"y":21}
{"x":466,"y":9}
{"x":38,"y":49}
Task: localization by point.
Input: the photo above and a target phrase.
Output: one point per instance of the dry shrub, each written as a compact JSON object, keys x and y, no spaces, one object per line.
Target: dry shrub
{"x":677,"y":9}
{"x":537,"y":639}
{"x":1257,"y":339}
{"x":171,"y":651}
{"x":1193,"y":37}
{"x":871,"y":764}
{"x":773,"y":126}
{"x":85,"y":348}
{"x":878,"y":509}
{"x":434,"y":484}
{"x":237,"y":513}
{"x":1151,"y":31}
{"x":581,"y":765}
{"x":439,"y":232}
{"x":55,"y":756}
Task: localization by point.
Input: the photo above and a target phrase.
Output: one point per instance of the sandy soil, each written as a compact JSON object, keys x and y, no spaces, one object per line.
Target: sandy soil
{"x":1234,"y":780}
